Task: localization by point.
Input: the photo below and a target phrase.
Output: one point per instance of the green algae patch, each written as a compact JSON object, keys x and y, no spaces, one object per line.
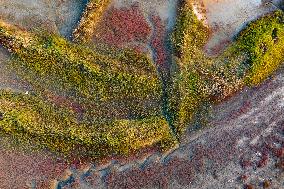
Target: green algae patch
{"x":104,"y":84}
{"x":188,"y":89}
{"x":263,"y":42}
{"x":120,"y":90}
{"x":253,"y":56}
{"x":189,"y":34}
{"x":30,"y":118}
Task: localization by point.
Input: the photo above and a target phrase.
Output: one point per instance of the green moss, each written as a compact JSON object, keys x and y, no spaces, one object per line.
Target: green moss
{"x":93,"y":79}
{"x":188,"y":90}
{"x":30,"y":118}
{"x":189,"y":34}
{"x":255,"y":54}
{"x":120,"y":90}
{"x":120,"y":93}
{"x":263,"y":42}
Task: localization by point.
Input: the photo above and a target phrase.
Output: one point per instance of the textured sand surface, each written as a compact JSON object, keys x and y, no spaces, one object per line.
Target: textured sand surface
{"x":227,"y":17}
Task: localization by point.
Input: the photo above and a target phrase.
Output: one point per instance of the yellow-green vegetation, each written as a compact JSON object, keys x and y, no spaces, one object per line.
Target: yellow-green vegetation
{"x":253,"y":56}
{"x":123,"y":87}
{"x":190,"y":34}
{"x":120,"y":91}
{"x":30,"y":118}
{"x":263,"y":43}
{"x":189,"y":86}
{"x":91,"y":17}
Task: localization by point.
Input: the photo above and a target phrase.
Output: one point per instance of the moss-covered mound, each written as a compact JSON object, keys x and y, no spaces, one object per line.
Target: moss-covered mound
{"x":119,"y":92}
{"x":100,"y":82}
{"x":263,"y":43}
{"x":256,"y":52}
{"x":32,"y":119}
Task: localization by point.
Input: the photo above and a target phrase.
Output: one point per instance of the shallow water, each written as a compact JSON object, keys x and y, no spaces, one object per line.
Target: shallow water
{"x":68,"y":15}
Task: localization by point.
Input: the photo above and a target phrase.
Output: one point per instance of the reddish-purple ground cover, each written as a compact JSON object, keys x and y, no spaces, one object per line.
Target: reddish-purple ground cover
{"x":62,"y":101}
{"x":158,"y":41}
{"x":184,"y":171}
{"x":130,"y":27}
{"x":19,"y":170}
{"x":123,"y":25}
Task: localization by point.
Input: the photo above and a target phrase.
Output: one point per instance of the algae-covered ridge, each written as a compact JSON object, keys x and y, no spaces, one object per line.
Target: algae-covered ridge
{"x":252,"y":57}
{"x":119,"y":92}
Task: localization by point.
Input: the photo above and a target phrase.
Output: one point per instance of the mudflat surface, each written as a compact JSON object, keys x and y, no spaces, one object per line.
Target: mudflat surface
{"x":59,"y":16}
{"x":227,"y":17}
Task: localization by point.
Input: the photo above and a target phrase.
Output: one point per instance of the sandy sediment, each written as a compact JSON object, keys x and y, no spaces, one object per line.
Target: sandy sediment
{"x":227,"y":17}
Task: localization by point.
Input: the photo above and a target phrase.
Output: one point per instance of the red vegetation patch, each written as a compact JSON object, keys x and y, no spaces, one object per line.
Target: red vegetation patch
{"x":199,"y":158}
{"x":124,"y":25}
{"x":158,"y":41}
{"x":154,"y":175}
{"x":185,"y":174}
{"x":263,"y":161}
{"x":221,"y":151}
{"x":62,"y":101}
{"x":249,"y":186}
{"x":280,"y":164}
{"x":246,"y":164}
{"x":243,"y":178}
{"x":279,"y":152}
{"x":19,"y":169}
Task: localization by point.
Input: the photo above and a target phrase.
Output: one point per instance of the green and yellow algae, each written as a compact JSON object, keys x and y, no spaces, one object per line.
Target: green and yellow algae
{"x":30,"y":118}
{"x":86,"y":76}
{"x":201,"y":79}
{"x":263,"y":42}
